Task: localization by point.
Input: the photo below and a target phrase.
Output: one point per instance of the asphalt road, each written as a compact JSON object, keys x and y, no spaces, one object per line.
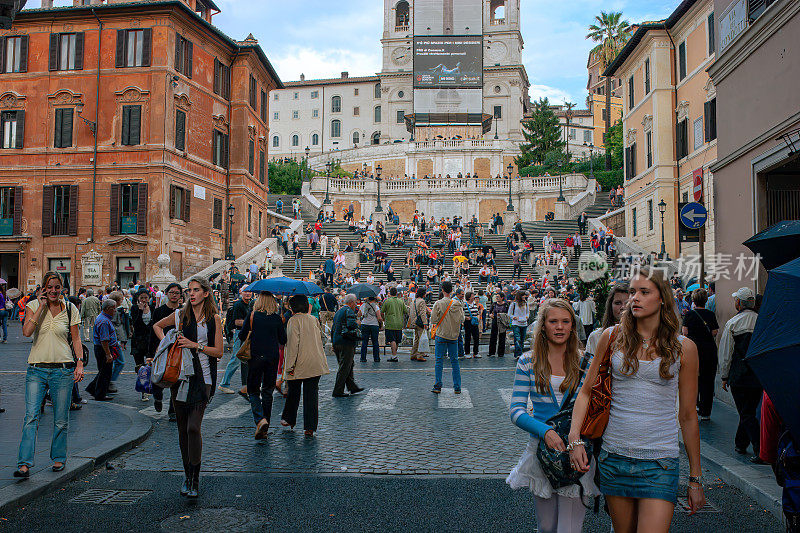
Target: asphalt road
{"x":394,"y":458}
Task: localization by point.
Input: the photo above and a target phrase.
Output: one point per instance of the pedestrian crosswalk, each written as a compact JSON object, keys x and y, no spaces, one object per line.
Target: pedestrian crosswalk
{"x":379,"y":399}
{"x":374,"y":399}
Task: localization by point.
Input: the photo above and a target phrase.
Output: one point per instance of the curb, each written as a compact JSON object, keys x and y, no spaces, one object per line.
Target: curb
{"x":79,"y":464}
{"x":758,"y":484}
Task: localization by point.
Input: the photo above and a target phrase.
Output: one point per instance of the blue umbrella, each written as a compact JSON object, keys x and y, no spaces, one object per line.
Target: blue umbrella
{"x":313,"y":289}
{"x":774,"y":351}
{"x":692,"y":287}
{"x":778,"y":244}
{"x":279,"y":285}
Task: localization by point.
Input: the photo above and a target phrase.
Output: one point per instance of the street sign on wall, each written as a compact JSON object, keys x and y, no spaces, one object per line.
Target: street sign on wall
{"x":693,"y":215}
{"x":685,"y":234}
{"x":697,"y":177}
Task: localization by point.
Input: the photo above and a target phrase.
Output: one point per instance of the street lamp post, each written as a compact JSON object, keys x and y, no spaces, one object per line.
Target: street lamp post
{"x":510,"y":206}
{"x":307,"y":173}
{"x":560,"y":188}
{"x":662,"y":208}
{"x":378,"y":169}
{"x":327,"y":183}
{"x":231,"y":213}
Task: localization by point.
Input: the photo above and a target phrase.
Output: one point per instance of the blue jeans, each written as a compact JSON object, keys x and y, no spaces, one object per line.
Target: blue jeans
{"x":298,"y":264}
{"x":119,"y":363}
{"x":234,"y":363}
{"x":4,"y":323}
{"x":37,"y":381}
{"x":451,"y":347}
{"x":519,"y":338}
{"x":461,"y":343}
{"x":370,"y":333}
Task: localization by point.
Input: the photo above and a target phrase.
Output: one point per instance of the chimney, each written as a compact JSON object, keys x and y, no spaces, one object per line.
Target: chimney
{"x":345,"y":74}
{"x":302,"y":77}
{"x":47,"y":4}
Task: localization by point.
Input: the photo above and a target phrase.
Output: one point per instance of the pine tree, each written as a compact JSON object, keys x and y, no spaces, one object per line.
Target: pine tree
{"x":542,"y":134}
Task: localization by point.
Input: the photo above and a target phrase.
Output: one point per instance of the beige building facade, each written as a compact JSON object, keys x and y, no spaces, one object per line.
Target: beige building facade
{"x":669,"y":125}
{"x":756,"y":174}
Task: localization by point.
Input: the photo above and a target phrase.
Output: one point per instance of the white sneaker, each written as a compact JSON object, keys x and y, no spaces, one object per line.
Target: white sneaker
{"x":145,"y":397}
{"x":467,"y":356}
{"x":478,"y":356}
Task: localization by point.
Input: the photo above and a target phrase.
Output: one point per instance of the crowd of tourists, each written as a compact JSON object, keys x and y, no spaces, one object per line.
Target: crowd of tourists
{"x":655,"y":340}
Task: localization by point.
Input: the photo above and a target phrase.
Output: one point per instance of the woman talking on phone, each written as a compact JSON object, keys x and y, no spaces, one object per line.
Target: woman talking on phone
{"x":52,"y":322}
{"x":200,"y":331}
{"x":652,"y":370}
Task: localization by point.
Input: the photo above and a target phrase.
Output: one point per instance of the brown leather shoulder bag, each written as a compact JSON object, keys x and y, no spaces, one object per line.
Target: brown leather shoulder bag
{"x":599,"y":407}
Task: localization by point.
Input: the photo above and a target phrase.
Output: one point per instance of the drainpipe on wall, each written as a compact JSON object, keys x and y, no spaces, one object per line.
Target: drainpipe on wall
{"x":229,"y":231}
{"x":674,"y":84}
{"x":96,"y":118}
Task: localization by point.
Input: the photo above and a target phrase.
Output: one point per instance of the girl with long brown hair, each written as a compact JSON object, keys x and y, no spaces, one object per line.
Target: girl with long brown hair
{"x":653,"y":369}
{"x":549,"y":375}
{"x":615,"y":303}
{"x":200,"y":331}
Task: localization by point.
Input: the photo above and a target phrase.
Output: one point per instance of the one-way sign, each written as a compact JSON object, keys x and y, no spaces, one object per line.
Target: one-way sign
{"x":693,"y":215}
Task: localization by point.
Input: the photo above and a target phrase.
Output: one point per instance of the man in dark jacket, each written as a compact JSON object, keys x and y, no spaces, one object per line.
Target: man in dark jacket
{"x":345,"y":334}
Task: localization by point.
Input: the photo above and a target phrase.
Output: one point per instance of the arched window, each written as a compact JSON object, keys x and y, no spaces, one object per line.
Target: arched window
{"x":315,"y":139}
{"x":402,"y":17}
{"x":376,"y":137}
{"x":377,"y":114}
{"x":276,"y":142}
{"x":378,"y":90}
{"x":295,"y":140}
{"x":498,"y":11}
{"x":336,"y":104}
{"x":336,"y":128}
{"x":356,"y":138}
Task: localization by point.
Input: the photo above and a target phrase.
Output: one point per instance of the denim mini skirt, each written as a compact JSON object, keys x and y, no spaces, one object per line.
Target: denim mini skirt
{"x":618,"y":475}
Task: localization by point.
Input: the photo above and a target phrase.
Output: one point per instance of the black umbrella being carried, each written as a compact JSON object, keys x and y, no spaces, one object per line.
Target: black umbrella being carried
{"x":776,"y":245}
{"x":363,"y":291}
{"x":774,"y":351}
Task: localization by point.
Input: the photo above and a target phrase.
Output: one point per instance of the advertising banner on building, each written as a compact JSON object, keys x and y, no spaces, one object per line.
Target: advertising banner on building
{"x":449,"y":61}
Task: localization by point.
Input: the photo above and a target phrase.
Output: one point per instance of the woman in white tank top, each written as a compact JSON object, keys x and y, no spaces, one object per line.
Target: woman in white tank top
{"x":653,"y":369}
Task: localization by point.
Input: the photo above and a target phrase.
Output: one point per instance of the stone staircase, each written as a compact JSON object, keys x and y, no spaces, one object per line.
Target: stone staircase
{"x":306,"y":213}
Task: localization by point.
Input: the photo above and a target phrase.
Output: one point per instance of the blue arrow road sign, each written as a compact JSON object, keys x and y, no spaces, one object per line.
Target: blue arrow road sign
{"x":694,"y":215}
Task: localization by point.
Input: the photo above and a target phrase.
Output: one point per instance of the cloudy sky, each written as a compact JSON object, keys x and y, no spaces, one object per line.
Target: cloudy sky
{"x":321,"y":38}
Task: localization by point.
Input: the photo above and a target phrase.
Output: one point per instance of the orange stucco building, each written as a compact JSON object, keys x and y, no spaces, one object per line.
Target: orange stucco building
{"x":669,"y":125}
{"x":181,"y":134}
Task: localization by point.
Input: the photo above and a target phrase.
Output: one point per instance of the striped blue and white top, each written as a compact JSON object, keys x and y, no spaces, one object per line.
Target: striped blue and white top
{"x":544,"y":405}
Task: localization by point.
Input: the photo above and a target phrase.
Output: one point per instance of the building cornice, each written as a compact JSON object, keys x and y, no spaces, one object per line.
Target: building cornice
{"x":752,"y":38}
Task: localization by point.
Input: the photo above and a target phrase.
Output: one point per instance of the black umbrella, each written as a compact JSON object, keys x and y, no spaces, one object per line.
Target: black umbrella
{"x":776,"y":245}
{"x":363,"y":291}
{"x":774,"y":350}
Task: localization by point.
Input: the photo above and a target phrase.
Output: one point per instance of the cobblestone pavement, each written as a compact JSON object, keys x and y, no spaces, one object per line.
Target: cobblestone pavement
{"x":396,"y":426}
{"x":390,"y":458}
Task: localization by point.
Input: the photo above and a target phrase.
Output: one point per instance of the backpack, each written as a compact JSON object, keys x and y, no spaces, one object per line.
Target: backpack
{"x":229,"y":324}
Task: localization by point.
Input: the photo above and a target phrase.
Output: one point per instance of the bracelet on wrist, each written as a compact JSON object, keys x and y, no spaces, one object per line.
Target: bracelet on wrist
{"x":574,"y":444}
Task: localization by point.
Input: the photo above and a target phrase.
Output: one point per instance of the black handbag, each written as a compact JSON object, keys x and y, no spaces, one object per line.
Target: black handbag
{"x":556,"y":465}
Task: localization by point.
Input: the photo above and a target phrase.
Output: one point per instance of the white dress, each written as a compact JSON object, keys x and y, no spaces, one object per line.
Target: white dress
{"x":528,"y":472}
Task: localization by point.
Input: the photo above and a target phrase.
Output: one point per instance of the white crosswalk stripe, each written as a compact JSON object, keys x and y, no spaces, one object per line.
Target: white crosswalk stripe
{"x":448,"y":399}
{"x":379,"y":399}
{"x":231,"y":409}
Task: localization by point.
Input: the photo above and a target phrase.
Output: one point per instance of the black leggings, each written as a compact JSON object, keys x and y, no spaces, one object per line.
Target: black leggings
{"x":471,"y":333}
{"x":190,"y":419}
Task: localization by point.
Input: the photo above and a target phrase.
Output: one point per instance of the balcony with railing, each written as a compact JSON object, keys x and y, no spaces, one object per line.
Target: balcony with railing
{"x":497,"y":22}
{"x":401,"y":28}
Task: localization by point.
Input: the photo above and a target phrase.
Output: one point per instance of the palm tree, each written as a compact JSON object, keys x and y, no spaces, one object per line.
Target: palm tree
{"x":568,"y":114}
{"x":612,"y":33}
